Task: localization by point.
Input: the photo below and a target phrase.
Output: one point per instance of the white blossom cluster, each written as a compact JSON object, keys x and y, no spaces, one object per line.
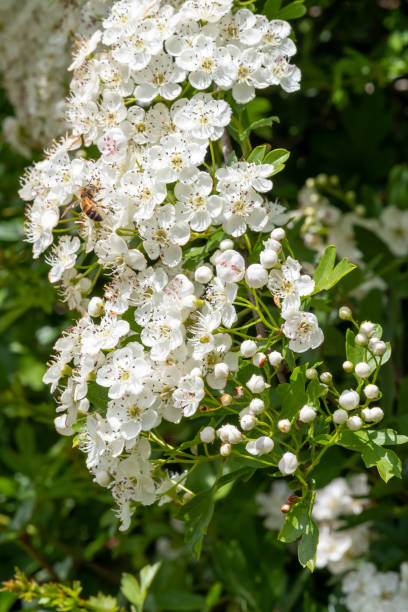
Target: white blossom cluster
{"x":148,"y":90}
{"x":35,"y":51}
{"x":325,"y":223}
{"x":338,"y":547}
{"x":369,"y":590}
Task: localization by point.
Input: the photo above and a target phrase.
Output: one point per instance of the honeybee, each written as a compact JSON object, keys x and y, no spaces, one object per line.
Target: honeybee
{"x":87,"y":204}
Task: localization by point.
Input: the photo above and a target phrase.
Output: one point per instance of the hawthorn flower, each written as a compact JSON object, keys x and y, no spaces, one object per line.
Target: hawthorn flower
{"x":242,"y":207}
{"x":302,"y":329}
{"x":124,"y":371}
{"x":250,"y":73}
{"x":163,"y":236}
{"x":163,"y":334}
{"x":162,"y":77}
{"x":103,"y":336}
{"x":289,"y":281}
{"x":195,"y":204}
{"x":189,"y":393}
{"x":202,"y":116}
{"x":63,"y":257}
{"x":131,"y":414}
{"x":205,"y":63}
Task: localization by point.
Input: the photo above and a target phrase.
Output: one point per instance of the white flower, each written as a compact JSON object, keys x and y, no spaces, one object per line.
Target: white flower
{"x":104,"y":336}
{"x":205,"y":63}
{"x":242,"y":27}
{"x":163,"y":334}
{"x":206,"y":10}
{"x":242,"y":207}
{"x":63,"y":257}
{"x":195,"y":204}
{"x":394,"y":230}
{"x":289,"y":282}
{"x":131,"y":414}
{"x":245,"y":175}
{"x":177,"y":158}
{"x":250,"y":73}
{"x":202,"y":116}
{"x":124,"y":371}
{"x":38,"y":229}
{"x":303,"y":331}
{"x":164,"y":234}
{"x":188,"y":395}
{"x":160,"y":78}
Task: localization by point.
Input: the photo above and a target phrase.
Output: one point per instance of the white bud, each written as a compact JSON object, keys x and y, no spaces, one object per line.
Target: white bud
{"x":361,"y":340}
{"x":307,"y":414}
{"x":377,"y":414}
{"x":226,"y":398}
{"x":311,"y":373}
{"x":96,"y":307}
{"x":275,"y":358}
{"x":284,"y":425}
{"x":256,"y":276}
{"x":196,"y":372}
{"x":207,"y":435}
{"x":256,"y":384}
{"x":230,"y":266}
{"x":221,"y":370}
{"x":340,"y":416}
{"x":247,"y":422}
{"x":371,"y":391}
{"x":278,"y":234}
{"x":248,"y":348}
{"x":226,"y":245}
{"x":288,"y":464}
{"x":373,"y":342}
{"x":349,"y":399}
{"x":264,"y":445}
{"x":326,"y":377}
{"x":354,"y":423}
{"x":229,"y":433}
{"x":362,"y":369}
{"x":225,"y":449}
{"x":259,"y":360}
{"x":367,"y":328}
{"x":268,"y":258}
{"x":348,"y":366}
{"x":275,"y":245}
{"x":345,"y":313}
{"x":256,"y":406}
{"x":203,"y":274}
{"x":379,"y":348}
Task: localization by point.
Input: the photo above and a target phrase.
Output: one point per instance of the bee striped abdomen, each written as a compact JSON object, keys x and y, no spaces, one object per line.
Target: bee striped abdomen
{"x":88,"y":207}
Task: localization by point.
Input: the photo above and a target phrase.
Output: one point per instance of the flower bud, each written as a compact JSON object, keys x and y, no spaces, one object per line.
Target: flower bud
{"x":207,"y":435}
{"x":307,"y":414}
{"x":225,"y":449}
{"x":345,"y":313}
{"x":348,"y":366}
{"x":226,"y":399}
{"x":367,"y":328}
{"x":311,"y":373}
{"x":256,"y":406}
{"x":284,"y":425}
{"x":288,"y":464}
{"x":340,"y":416}
{"x":361,"y":339}
{"x":239,"y":391}
{"x":256,"y":276}
{"x":96,"y":307}
{"x":203,"y":274}
{"x":268,"y":258}
{"x":349,"y":399}
{"x":278,"y":234}
{"x":274,"y":245}
{"x":256,"y":384}
{"x":275,"y":358}
{"x":230,"y":266}
{"x":371,"y":391}
{"x":285,"y":508}
{"x":221,"y":370}
{"x":362,"y":369}
{"x":261,"y":446}
{"x":229,"y":433}
{"x":226,"y":245}
{"x":326,"y":377}
{"x":247,"y":422}
{"x":379,"y":348}
{"x":248,"y":348}
{"x":259,"y":360}
{"x":354,"y":423}
{"x":372,"y":415}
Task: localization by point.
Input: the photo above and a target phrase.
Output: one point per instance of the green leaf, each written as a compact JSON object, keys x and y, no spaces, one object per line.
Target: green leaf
{"x":98,"y":396}
{"x":257,"y":155}
{"x":368,"y":443}
{"x":197,"y":513}
{"x":180,"y":600}
{"x":277,"y":158}
{"x":292,"y":11}
{"x":327,"y":273}
{"x":297,"y":520}
{"x":293,"y":395}
{"x":132,"y":591}
{"x":308,"y":545}
{"x":271,"y":8}
{"x":213,"y":595}
{"x":147,"y":574}
{"x":261,"y":123}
